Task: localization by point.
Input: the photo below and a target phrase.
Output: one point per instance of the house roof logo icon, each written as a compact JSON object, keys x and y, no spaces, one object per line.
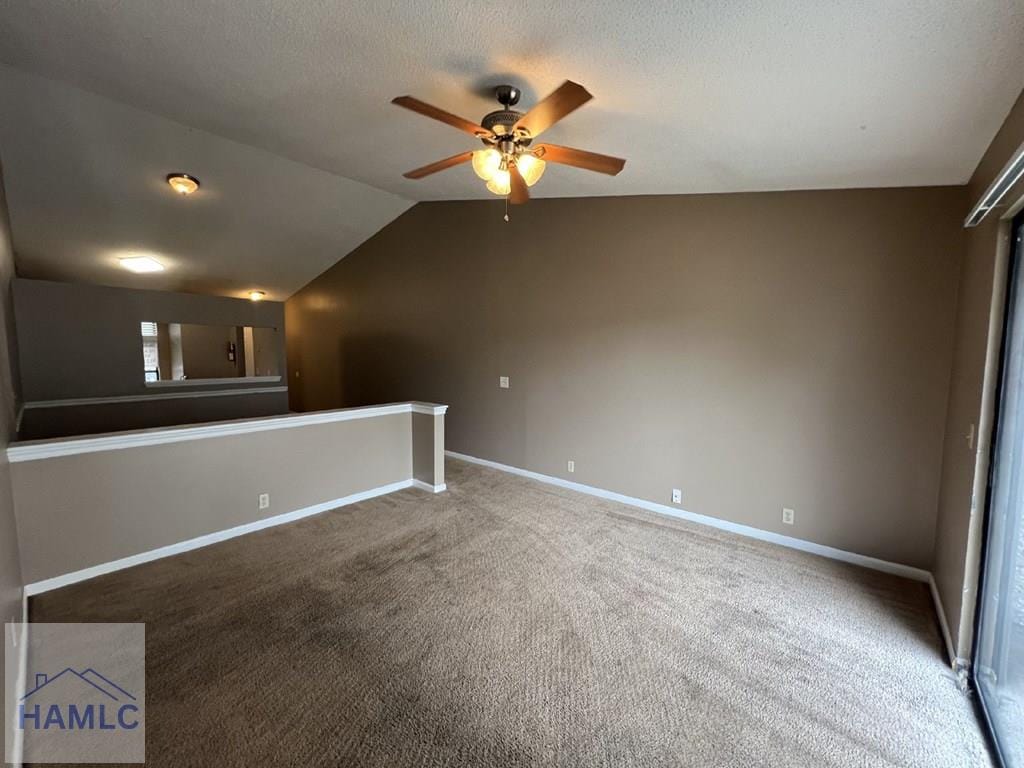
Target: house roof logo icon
{"x":88,"y":677}
{"x":82,"y":698}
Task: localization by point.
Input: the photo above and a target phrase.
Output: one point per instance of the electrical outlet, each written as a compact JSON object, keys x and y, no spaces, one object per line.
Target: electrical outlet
{"x":503,"y":382}
{"x":788,"y":516}
{"x":264,"y":501}
{"x":571,"y":465}
{"x":677,"y":496}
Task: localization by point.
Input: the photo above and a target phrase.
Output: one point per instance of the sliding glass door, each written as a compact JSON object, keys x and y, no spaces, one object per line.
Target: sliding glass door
{"x":999,"y":649}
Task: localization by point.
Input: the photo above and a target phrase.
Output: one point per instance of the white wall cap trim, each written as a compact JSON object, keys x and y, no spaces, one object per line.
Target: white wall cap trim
{"x":83,"y":401}
{"x":899,"y":569}
{"x":431,"y":409}
{"x":34,"y":450}
{"x":206,"y":382}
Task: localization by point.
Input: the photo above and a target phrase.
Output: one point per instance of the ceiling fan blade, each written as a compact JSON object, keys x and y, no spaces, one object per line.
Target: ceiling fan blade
{"x":518,"y":191}
{"x":440,"y":165}
{"x":436,"y":113}
{"x":568,"y":97}
{"x":578,"y":158}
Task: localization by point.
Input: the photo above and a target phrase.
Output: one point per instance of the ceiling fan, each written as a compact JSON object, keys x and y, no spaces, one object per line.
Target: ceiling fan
{"x":510,"y":163}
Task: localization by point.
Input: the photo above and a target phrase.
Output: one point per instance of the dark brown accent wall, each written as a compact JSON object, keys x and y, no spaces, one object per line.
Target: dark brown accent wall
{"x":755,"y":350}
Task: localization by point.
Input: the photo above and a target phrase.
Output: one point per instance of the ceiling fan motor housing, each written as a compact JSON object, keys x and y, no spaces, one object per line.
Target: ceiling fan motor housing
{"x":507,"y":95}
{"x":501,"y":121}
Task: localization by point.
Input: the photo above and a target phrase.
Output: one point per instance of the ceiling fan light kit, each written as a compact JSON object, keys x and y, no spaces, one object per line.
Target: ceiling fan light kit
{"x":509,"y":162}
{"x":486,"y":162}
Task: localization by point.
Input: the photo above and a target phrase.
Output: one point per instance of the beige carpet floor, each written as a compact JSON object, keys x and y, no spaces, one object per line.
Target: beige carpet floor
{"x":510,"y":623}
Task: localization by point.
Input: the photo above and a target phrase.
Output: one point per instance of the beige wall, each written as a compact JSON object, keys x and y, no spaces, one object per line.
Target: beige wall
{"x":755,"y":350}
{"x":428,"y":448}
{"x":86,"y":509}
{"x":10,"y":567}
{"x":978,"y":340}
{"x":10,"y":574}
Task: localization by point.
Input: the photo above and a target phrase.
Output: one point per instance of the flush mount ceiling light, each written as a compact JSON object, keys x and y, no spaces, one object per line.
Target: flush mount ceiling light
{"x":509,"y":164}
{"x":182,"y":183}
{"x":256,"y":295}
{"x":141,"y":264}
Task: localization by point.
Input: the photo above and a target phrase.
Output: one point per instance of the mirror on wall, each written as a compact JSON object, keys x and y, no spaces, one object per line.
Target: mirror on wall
{"x":189,"y":352}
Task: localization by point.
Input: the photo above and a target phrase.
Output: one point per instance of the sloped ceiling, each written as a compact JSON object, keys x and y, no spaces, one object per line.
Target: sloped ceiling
{"x":85,"y":178}
{"x":735,"y":95}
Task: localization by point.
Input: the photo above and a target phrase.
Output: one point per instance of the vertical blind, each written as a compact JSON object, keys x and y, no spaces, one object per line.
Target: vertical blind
{"x":150,"y":351}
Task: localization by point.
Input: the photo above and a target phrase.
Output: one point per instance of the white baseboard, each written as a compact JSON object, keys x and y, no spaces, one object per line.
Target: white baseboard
{"x":428,"y":487}
{"x":56,"y":582}
{"x":17,"y":748}
{"x":898,"y":569}
{"x":956,"y":662}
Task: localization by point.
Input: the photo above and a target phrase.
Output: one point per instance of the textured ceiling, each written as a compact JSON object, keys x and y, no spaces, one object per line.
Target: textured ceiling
{"x":726,"y":95}
{"x":85,"y":186}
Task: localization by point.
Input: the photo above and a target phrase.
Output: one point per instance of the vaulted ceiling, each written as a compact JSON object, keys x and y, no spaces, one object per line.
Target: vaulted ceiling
{"x":282,"y":109}
{"x":85,"y":180}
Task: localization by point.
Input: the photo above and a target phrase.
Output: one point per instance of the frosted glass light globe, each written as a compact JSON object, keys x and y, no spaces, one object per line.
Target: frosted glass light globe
{"x":499,"y":184}
{"x":530,"y":168}
{"x":486,"y":163}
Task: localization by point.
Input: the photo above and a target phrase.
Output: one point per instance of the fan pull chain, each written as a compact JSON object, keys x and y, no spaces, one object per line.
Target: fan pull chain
{"x":506,"y":209}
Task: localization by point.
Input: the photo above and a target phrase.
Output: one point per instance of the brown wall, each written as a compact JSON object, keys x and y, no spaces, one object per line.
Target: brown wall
{"x":78,"y":340}
{"x":268,"y":343}
{"x":204,"y":351}
{"x":83,"y":341}
{"x":755,"y":350}
{"x":978,"y":340}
